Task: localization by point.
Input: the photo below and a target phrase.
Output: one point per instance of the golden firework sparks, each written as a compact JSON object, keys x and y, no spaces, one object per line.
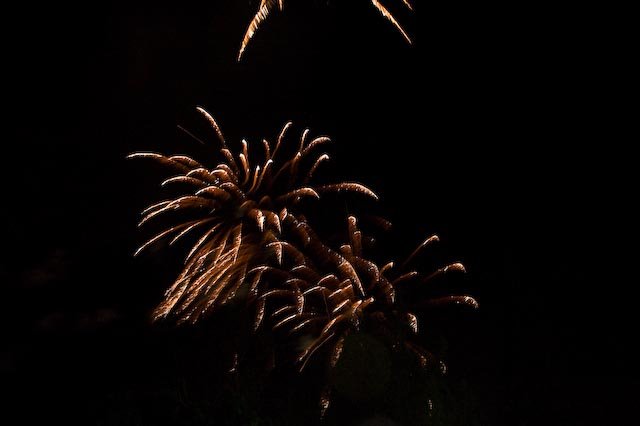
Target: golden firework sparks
{"x":266,"y":6}
{"x":256,"y":246}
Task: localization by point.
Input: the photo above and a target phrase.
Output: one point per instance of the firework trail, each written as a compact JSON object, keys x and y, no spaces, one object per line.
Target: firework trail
{"x":253,"y":244}
{"x":266,"y":6}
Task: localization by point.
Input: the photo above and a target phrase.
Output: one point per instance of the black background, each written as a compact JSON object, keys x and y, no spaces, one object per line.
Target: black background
{"x":498,"y":125}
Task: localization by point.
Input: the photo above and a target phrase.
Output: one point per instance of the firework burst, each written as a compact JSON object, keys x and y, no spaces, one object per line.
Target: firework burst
{"x":253,"y":244}
{"x":266,"y":6}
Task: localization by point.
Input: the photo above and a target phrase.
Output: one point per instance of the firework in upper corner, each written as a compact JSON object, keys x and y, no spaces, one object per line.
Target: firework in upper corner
{"x":253,"y":244}
{"x":266,"y":6}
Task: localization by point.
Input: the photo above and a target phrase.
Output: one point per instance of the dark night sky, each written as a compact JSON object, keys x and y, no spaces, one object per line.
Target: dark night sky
{"x":498,"y":120}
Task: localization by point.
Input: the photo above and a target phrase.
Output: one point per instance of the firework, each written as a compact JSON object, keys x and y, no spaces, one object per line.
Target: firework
{"x":266,"y":6}
{"x":253,"y":244}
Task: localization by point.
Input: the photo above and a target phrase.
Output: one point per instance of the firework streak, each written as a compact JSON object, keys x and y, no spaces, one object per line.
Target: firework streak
{"x":266,"y":6}
{"x":253,"y":245}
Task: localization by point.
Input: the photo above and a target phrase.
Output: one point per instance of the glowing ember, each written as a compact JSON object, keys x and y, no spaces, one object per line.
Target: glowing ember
{"x":254,"y":245}
{"x":266,"y":6}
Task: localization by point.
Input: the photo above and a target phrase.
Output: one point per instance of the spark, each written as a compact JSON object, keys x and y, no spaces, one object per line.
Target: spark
{"x":383,"y":10}
{"x":251,"y":234}
{"x":266,"y":6}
